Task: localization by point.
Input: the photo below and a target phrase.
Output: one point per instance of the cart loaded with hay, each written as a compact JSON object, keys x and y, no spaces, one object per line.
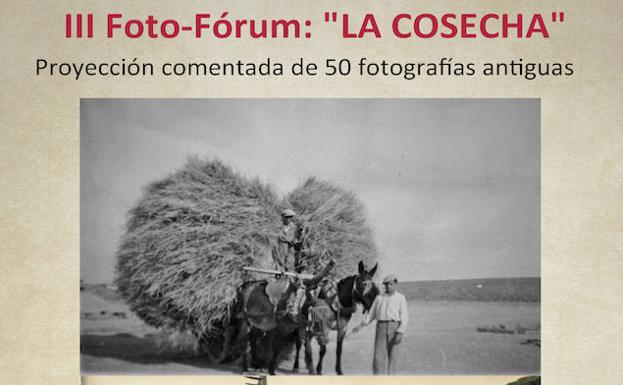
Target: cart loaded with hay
{"x":180,"y":264}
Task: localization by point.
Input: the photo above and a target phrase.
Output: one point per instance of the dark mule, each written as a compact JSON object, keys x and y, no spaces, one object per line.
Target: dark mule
{"x":257,"y":311}
{"x":333,"y":309}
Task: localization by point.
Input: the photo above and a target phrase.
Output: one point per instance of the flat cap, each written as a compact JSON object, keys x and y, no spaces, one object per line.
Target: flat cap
{"x":390,"y":278}
{"x":288,"y":213}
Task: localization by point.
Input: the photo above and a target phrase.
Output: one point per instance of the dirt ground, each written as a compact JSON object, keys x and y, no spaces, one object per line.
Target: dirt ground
{"x":441,"y":339}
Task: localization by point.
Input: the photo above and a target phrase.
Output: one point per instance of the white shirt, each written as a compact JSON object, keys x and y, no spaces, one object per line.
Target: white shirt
{"x":389,"y":308}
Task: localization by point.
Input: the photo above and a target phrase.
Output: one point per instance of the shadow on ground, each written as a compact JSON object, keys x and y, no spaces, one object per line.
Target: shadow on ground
{"x":142,"y":350}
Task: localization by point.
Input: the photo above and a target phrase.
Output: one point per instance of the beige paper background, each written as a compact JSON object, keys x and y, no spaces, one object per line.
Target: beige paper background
{"x":582,"y":151}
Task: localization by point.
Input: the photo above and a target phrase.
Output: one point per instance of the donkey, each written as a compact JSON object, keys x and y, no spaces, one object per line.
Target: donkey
{"x":333,"y":310}
{"x":257,"y":311}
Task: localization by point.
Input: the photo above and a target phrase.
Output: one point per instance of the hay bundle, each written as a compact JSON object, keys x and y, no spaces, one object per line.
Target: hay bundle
{"x":179,"y":264}
{"x":334,"y":226}
{"x":180,"y":261}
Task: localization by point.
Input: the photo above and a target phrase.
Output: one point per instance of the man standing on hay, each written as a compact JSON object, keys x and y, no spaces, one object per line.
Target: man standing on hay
{"x":391,"y":315}
{"x":290,"y":243}
{"x":289,"y":247}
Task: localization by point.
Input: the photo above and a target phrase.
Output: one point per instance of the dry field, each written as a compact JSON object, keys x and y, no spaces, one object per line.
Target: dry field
{"x":441,"y":339}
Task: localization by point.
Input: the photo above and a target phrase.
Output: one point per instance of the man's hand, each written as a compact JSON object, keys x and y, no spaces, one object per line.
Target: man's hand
{"x":286,"y":241}
{"x":397,"y":338}
{"x":357,"y":328}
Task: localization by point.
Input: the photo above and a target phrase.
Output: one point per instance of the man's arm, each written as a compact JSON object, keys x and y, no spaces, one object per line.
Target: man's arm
{"x":404,"y":320}
{"x":298,"y":234}
{"x":369,"y":316}
{"x":404,"y":315}
{"x":283,"y":239}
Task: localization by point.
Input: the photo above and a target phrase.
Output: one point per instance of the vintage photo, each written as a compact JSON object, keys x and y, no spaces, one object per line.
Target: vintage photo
{"x":310,"y":236}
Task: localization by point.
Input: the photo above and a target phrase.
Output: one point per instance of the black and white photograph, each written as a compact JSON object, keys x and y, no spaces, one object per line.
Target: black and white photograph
{"x":310,"y":236}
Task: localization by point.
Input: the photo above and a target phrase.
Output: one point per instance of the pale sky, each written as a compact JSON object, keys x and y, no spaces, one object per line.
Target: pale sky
{"x":451,"y":186}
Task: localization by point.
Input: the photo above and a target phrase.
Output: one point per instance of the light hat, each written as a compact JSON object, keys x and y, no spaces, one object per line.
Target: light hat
{"x":390,"y":278}
{"x":288,"y":213}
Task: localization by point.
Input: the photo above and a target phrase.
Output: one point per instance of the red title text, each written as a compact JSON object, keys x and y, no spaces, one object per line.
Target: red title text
{"x":223,"y":25}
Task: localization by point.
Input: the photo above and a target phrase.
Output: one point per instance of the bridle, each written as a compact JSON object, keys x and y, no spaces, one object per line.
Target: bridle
{"x":356,"y":293}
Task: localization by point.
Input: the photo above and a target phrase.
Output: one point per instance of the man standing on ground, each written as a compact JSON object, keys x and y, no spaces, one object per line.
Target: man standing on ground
{"x":391,"y":315}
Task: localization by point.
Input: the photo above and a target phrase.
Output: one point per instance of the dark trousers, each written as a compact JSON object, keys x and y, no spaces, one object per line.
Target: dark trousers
{"x":385,"y":351}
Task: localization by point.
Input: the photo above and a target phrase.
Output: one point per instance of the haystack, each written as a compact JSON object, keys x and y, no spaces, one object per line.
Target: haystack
{"x":334,"y":226}
{"x":180,"y":261}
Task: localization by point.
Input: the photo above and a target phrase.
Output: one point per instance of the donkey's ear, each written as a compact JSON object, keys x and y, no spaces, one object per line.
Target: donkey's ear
{"x":374,"y":269}
{"x":361,"y":268}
